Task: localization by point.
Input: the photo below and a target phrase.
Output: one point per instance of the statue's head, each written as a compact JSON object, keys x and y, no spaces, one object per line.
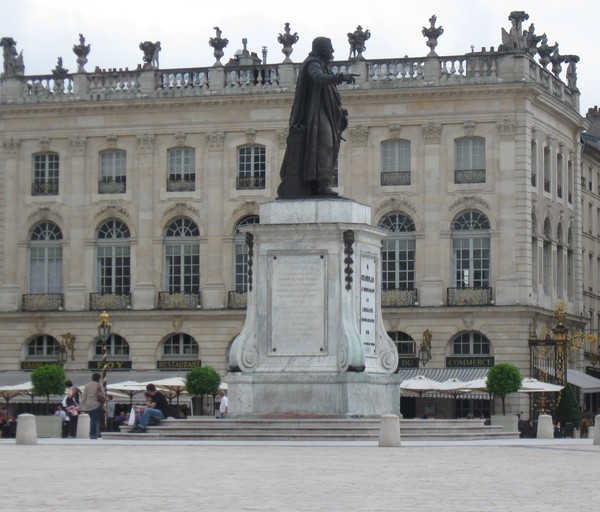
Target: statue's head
{"x":322,"y":47}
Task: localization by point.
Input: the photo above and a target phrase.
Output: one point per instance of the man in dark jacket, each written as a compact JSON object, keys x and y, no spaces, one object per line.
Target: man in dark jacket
{"x":158,"y":408}
{"x":316,"y":124}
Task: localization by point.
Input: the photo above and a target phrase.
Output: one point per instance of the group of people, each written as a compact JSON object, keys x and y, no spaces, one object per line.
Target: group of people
{"x":90,"y":399}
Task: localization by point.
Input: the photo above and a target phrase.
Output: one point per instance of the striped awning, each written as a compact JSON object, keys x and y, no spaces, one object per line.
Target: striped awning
{"x":443,"y":374}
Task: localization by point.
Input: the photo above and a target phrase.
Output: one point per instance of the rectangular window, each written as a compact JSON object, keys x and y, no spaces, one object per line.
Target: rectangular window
{"x":181,"y":170}
{"x":252,"y":167}
{"x":471,"y":262}
{"x":112,"y":172}
{"x":113,"y":270}
{"x":534,"y":163}
{"x":395,"y":162}
{"x":398,"y":264}
{"x":469,"y":160}
{"x":45,"y":270}
{"x":183,"y":268}
{"x":45,"y":174}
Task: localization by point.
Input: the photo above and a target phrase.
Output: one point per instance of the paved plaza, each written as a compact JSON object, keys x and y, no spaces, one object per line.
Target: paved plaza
{"x":510,"y":475}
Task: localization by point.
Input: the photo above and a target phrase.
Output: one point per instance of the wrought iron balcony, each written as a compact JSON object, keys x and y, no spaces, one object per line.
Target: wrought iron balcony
{"x":43,"y":302}
{"x":399,"y":298}
{"x":469,"y":176}
{"x":112,"y":186}
{"x":237,"y":300}
{"x":469,"y":296}
{"x":110,"y":301}
{"x":176,"y":184}
{"x":251,"y":182}
{"x":44,"y":188}
{"x":179,"y":300}
{"x":395,"y":178}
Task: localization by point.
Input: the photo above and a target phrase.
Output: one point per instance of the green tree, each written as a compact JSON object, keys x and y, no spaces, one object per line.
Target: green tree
{"x":503,"y":379}
{"x":202,"y":380}
{"x":568,"y":408}
{"x":48,"y":380}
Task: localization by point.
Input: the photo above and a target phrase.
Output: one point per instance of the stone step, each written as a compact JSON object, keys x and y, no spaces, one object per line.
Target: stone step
{"x":360,"y":429}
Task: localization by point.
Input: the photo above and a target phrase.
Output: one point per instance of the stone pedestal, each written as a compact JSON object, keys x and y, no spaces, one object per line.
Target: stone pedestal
{"x":596,"y":440}
{"x":26,"y":429}
{"x":389,"y":431}
{"x":314,"y":343}
{"x":83,"y":426}
{"x":545,"y":429}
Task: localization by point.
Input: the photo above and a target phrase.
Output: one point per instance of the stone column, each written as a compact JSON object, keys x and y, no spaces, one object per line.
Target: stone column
{"x":144,"y":287}
{"x":10,"y":291}
{"x":76,"y":275}
{"x":212,"y":264}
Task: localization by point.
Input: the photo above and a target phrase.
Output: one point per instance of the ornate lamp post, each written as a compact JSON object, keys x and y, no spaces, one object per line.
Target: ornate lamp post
{"x":104,"y":328}
{"x":61,"y":355}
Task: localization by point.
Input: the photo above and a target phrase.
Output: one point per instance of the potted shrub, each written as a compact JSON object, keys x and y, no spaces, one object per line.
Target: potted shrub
{"x":503,"y":379}
{"x":48,"y":380}
{"x":202,"y":380}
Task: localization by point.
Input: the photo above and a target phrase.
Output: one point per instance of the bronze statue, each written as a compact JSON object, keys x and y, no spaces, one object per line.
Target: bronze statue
{"x":316,"y":124}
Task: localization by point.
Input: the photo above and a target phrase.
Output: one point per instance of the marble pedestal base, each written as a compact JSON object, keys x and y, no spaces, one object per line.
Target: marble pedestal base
{"x":313,"y":394}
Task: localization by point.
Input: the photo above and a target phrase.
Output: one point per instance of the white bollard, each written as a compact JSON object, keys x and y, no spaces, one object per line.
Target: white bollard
{"x":83,"y":426}
{"x":545,"y":429}
{"x":597,"y":430}
{"x":26,"y":429}
{"x":389,"y":431}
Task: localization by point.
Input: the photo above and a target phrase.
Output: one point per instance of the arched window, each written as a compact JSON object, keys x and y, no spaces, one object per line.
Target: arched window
{"x":182,"y":257}
{"x":252,"y":167}
{"x":180,"y":346}
{"x":116,"y":347}
{"x":547,"y":256}
{"x":471,"y":344}
{"x":398,"y":253}
{"x":113,"y":262}
{"x":404,"y":343}
{"x":181,"y":169}
{"x":113,"y":176}
{"x":570,"y":264}
{"x":560,"y":254}
{"x":240,"y":254}
{"x":471,"y":250}
{"x":395,"y":162}
{"x":45,"y":259}
{"x":43,"y":347}
{"x":469,"y":160}
{"x":534,"y":254}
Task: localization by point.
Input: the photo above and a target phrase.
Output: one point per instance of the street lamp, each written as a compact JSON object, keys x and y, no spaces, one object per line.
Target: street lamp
{"x":425,"y":350}
{"x":104,"y":328}
{"x":61,"y":355}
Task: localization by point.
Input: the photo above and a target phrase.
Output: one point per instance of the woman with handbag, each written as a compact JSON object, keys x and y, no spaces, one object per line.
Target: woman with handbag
{"x":92,"y":399}
{"x":71,"y":406}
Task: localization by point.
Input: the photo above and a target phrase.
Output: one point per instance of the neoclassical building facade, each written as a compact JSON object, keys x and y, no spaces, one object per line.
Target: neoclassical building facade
{"x":126,"y":191}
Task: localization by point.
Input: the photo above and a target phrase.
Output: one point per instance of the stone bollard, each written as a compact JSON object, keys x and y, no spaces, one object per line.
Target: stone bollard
{"x":389,"y":431}
{"x":597,"y":430}
{"x":83,"y":426}
{"x":26,"y":429}
{"x":545,"y":429}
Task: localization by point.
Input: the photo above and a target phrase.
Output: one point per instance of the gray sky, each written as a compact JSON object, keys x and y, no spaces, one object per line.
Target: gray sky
{"x":48,"y":29}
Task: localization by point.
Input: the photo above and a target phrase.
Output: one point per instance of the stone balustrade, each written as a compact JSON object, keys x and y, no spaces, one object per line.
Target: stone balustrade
{"x":475,"y":68}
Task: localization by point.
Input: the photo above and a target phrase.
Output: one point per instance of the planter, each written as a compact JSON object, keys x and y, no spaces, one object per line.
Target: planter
{"x":48,"y":426}
{"x":509,"y":423}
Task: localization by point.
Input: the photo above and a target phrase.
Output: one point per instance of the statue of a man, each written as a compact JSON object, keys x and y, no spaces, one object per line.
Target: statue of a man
{"x":316,"y":124}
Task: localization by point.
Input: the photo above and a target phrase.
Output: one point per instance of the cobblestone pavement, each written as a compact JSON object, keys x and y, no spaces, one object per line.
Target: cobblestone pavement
{"x":100,"y":475}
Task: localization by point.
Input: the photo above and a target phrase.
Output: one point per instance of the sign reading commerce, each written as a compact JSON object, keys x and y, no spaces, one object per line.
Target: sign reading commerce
{"x":178,"y":365}
{"x":469,"y":362}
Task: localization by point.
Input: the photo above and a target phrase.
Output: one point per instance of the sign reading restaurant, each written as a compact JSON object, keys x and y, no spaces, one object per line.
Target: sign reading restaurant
{"x":469,"y":362}
{"x":178,"y":365}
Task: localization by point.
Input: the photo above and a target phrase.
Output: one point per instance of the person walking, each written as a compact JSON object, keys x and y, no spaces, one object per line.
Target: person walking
{"x":223,"y":406}
{"x":92,"y":399}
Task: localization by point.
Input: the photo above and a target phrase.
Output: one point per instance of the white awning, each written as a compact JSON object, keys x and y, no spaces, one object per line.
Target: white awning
{"x":443,"y":374}
{"x":583,"y":381}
